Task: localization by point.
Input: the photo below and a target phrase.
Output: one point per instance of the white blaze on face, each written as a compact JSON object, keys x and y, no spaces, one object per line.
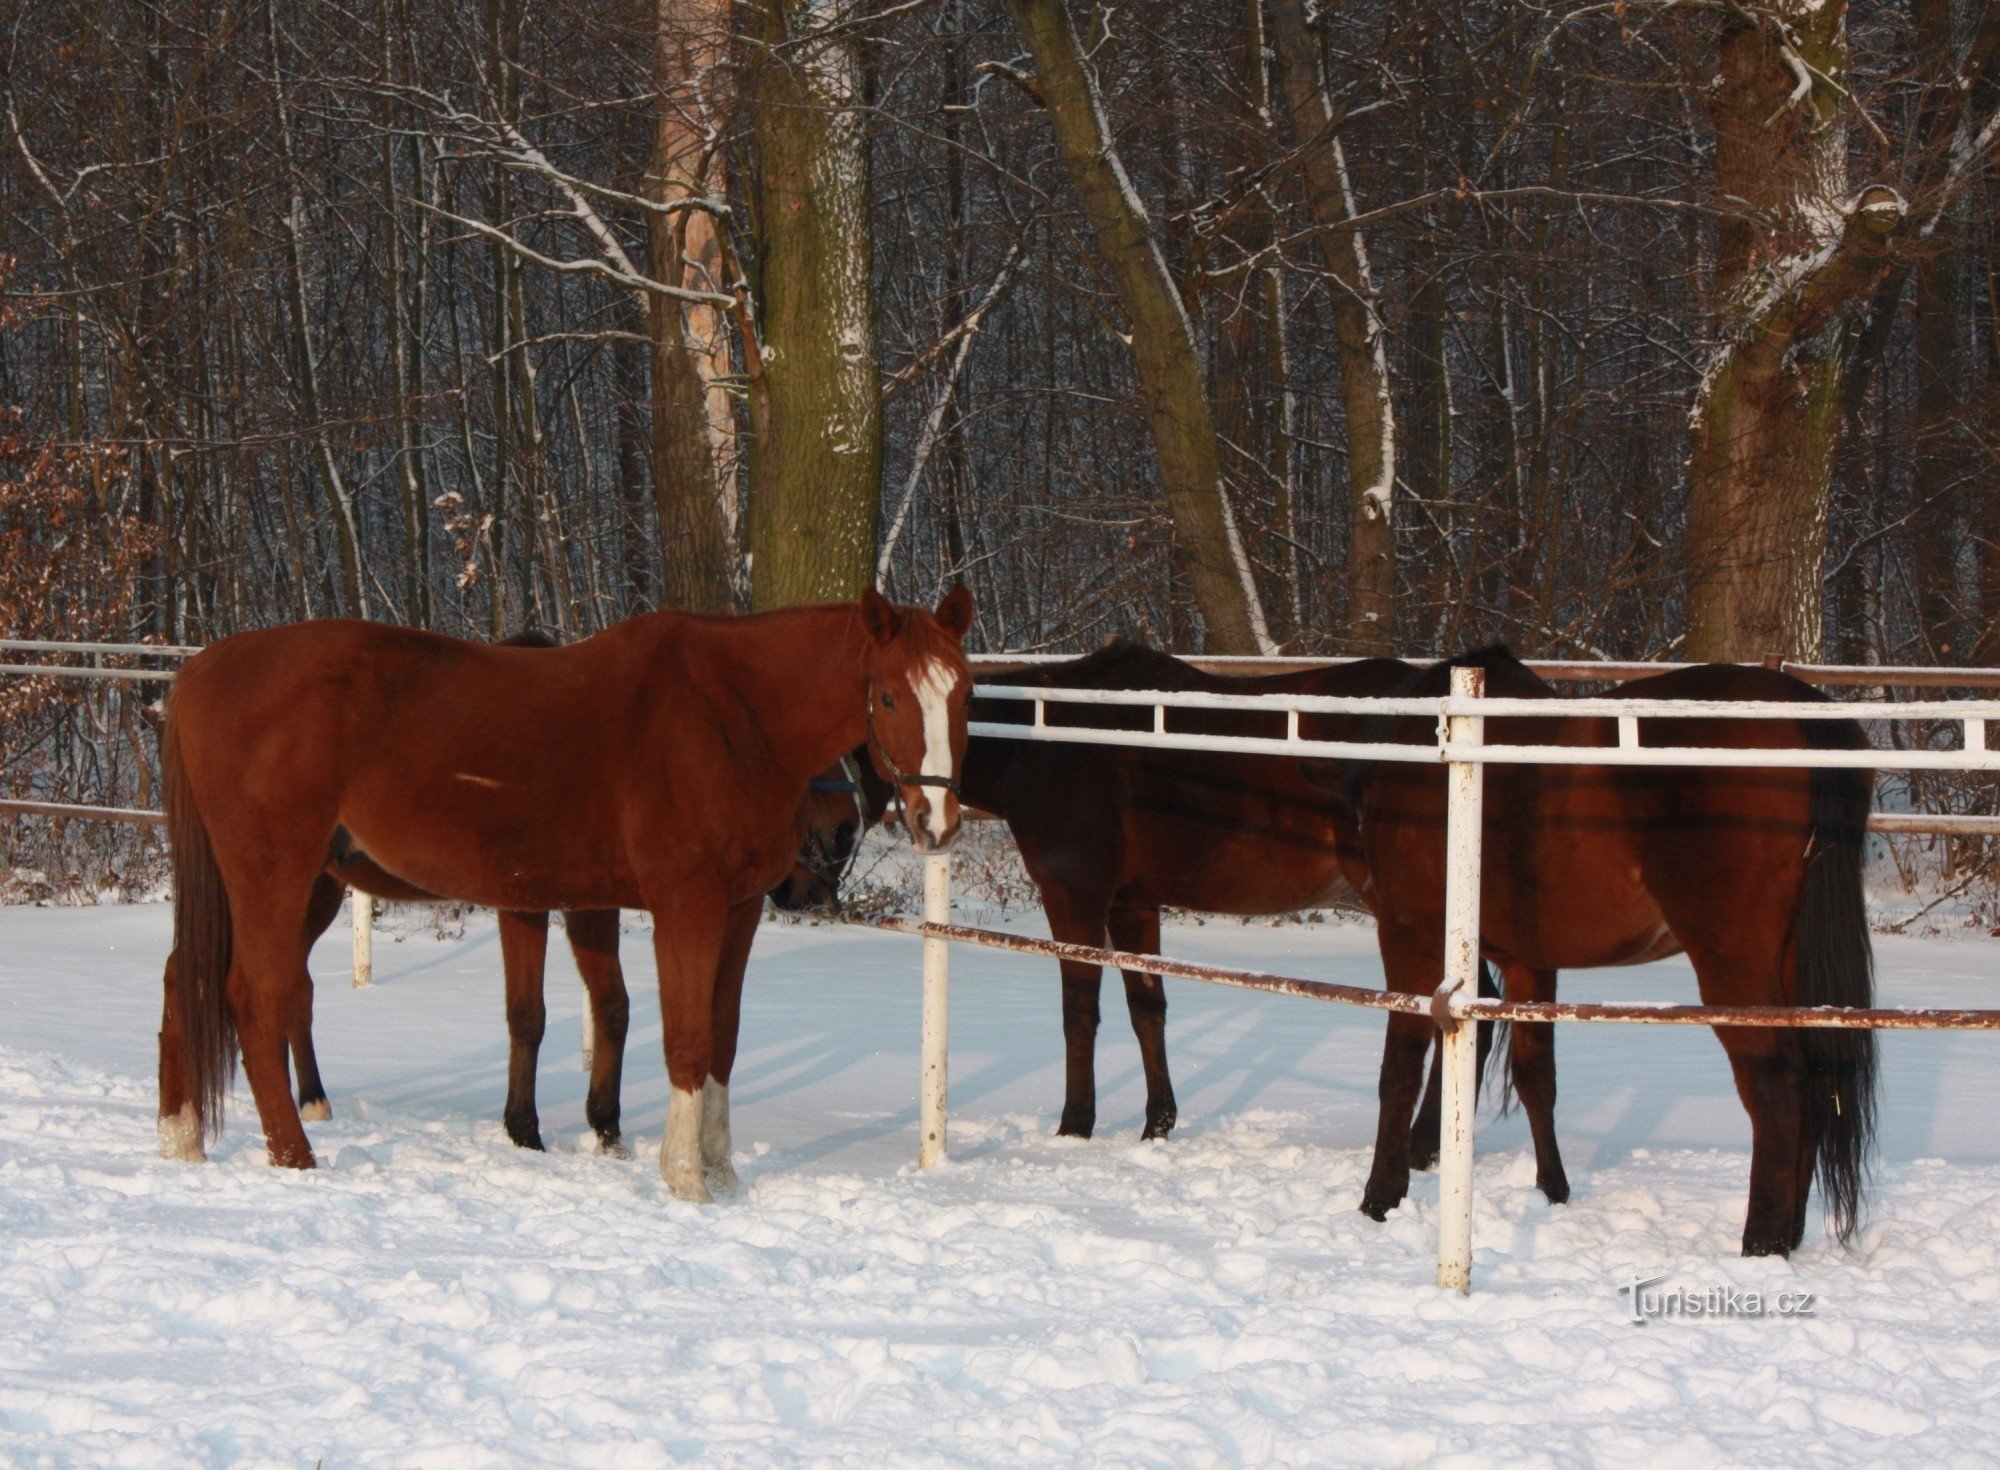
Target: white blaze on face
{"x":934,"y":686}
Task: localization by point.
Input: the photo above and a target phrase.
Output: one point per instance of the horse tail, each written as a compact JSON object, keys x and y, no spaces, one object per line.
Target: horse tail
{"x":1494,"y":1037}
{"x":202,"y":942}
{"x":1836,"y":968}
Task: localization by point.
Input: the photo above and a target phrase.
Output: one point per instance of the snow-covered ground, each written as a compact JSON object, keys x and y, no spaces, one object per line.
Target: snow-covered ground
{"x":434,"y":1297}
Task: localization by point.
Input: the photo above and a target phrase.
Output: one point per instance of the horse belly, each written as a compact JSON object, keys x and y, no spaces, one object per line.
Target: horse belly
{"x":1579,"y":908}
{"x":1236,"y":869}
{"x":490,"y":846}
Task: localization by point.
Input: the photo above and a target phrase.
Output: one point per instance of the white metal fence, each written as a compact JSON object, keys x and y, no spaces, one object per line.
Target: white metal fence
{"x":1460,"y":746}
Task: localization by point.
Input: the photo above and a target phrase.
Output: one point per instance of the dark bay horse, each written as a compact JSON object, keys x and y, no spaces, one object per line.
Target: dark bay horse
{"x":1111,"y":834}
{"x":1756,"y":873}
{"x":830,"y":820}
{"x":659,"y":765}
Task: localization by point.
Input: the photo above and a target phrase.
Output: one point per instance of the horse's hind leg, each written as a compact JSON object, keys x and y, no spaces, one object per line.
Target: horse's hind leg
{"x":180,"y":1134}
{"x":264,"y":976}
{"x":1771,"y":1082}
{"x":593,"y":941}
{"x":1408,"y":970}
{"x":1138,"y":930}
{"x":524,"y":949}
{"x":1534,"y":1048}
{"x":321,"y":911}
{"x":1427,"y":1129}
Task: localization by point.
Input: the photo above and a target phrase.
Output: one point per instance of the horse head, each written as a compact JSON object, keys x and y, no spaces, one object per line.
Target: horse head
{"x":840,"y":807}
{"x":918,"y":683}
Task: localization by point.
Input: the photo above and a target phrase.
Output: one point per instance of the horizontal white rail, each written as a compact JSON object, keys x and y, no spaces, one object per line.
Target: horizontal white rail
{"x":76,"y":671}
{"x":1971,"y":716}
{"x":159,"y":650}
{"x":1579,"y":671}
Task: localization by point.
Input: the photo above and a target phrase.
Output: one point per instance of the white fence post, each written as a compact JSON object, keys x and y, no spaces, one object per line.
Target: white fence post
{"x":364,"y":938}
{"x":931,"y":1103}
{"x":1461,"y":983}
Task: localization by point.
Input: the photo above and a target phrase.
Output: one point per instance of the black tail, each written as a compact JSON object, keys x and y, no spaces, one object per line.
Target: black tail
{"x":202,"y":939}
{"x":1836,"y":967}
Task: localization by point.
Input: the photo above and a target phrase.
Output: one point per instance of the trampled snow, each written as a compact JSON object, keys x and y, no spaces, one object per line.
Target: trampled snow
{"x":434,"y":1297}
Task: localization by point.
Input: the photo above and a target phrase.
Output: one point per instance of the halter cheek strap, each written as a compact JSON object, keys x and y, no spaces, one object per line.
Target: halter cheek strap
{"x":896,"y":773}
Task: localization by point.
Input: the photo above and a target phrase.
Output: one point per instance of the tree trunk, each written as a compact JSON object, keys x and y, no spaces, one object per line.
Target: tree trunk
{"x":1363,"y":355}
{"x":1766,"y":420}
{"x":693,"y":428}
{"x":1207,"y":544}
{"x":816,"y":470}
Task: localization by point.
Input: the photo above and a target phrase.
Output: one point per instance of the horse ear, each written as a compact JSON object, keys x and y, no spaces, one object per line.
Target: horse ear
{"x":955,"y":612}
{"x":879,"y":616}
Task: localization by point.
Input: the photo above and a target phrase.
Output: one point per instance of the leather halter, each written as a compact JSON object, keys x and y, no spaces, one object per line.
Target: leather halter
{"x":896,"y":773}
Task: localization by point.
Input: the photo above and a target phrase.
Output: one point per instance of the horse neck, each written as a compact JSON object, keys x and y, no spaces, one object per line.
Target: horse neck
{"x":803,"y":671}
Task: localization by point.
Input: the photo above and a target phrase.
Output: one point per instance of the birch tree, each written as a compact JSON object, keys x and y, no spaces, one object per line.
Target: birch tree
{"x":1364,"y":360}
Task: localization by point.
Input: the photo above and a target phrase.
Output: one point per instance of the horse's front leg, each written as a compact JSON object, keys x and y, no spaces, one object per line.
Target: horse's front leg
{"x":1076,"y":918}
{"x":689,"y":928}
{"x":1137,"y":930}
{"x":730,"y":967}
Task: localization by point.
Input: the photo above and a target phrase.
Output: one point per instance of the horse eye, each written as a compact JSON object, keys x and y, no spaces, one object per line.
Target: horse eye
{"x":888,"y":700}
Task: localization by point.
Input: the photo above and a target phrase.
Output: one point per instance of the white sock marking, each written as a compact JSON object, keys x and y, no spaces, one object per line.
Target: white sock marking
{"x":180,"y":1136}
{"x":715,"y":1142}
{"x":680,"y":1149}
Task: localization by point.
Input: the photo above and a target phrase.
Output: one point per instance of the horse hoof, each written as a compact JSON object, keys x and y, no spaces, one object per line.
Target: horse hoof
{"x":180,"y":1137}
{"x":1555,"y":1191}
{"x":1160,"y":1124}
{"x":612,"y":1146}
{"x":1074,"y":1126}
{"x":1423,"y":1160}
{"x":721,"y":1177}
{"x":687,"y":1184}
{"x":292,"y":1158}
{"x":529,"y":1138}
{"x":316,"y":1111}
{"x":1766,"y":1248}
{"x":1376,"y":1204}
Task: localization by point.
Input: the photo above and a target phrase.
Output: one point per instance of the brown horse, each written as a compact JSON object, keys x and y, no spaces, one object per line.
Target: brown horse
{"x":1754,"y":873}
{"x":1111,"y":834}
{"x":830,"y":821}
{"x":658,"y":765}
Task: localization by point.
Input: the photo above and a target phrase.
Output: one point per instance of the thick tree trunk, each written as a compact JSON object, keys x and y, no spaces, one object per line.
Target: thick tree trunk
{"x":1766,"y":420}
{"x":1207,"y":543}
{"x":693,"y":423}
{"x":816,"y":469}
{"x":1364,"y":359}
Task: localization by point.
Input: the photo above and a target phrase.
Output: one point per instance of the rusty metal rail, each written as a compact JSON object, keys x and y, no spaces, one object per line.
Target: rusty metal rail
{"x":1631,"y":1012}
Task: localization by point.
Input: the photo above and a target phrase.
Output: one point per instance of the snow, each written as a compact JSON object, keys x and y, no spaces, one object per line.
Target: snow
{"x":434,"y":1297}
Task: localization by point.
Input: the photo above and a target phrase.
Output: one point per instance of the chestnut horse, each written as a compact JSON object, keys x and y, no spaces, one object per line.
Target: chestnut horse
{"x":830,"y":820}
{"x":1111,"y":834}
{"x":659,"y":765}
{"x":1755,"y":873}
